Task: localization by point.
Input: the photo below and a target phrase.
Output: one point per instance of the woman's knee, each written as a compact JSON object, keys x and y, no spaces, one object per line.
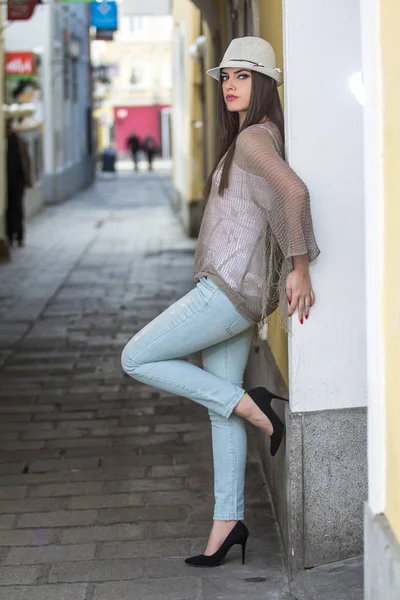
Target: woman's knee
{"x":129,"y":358}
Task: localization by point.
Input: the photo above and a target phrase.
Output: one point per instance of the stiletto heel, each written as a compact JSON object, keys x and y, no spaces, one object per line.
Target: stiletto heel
{"x":238,"y":535}
{"x":244,"y":551}
{"x":262,"y":397}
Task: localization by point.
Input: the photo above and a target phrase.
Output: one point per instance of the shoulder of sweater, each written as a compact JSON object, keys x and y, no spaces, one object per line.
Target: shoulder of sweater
{"x":256,"y":142}
{"x":260,"y":133}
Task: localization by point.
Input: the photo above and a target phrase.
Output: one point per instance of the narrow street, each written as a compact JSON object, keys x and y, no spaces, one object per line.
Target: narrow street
{"x":106,"y":484}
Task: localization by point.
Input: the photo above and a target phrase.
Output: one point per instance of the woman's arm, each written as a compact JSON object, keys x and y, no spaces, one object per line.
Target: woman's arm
{"x":286,"y":199}
{"x":299,"y":288}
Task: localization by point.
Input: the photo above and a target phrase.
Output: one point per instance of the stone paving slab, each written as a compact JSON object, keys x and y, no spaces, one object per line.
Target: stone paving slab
{"x":106,"y":484}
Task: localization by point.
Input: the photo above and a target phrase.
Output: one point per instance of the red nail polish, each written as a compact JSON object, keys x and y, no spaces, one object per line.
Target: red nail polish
{"x":306,"y":316}
{"x":301,"y":321}
{"x":290,"y":302}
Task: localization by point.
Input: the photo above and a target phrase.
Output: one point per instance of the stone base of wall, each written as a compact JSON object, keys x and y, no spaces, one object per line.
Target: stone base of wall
{"x":382,"y":559}
{"x":318,"y":479}
{"x":58,"y":187}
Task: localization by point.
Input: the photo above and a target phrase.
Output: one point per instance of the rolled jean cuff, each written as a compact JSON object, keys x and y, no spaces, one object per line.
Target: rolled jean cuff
{"x":233,"y":404}
{"x":229,"y":517}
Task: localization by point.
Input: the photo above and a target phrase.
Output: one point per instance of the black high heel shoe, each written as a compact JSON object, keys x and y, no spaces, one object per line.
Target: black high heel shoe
{"x":263,"y":397}
{"x":238,"y":535}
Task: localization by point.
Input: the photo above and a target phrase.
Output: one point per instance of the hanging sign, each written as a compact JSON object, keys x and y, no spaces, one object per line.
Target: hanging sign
{"x":20,"y":10}
{"x":19,"y":65}
{"x":107,"y":35}
{"x":104,"y":15}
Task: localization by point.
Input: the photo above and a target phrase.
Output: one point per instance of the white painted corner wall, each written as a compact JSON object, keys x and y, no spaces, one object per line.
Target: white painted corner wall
{"x":374,"y":221}
{"x":324,"y":143}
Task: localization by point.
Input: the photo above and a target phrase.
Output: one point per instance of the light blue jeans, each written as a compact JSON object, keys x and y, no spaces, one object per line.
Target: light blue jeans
{"x":204,"y":319}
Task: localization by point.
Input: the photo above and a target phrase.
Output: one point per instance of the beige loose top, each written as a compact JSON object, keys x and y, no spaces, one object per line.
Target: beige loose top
{"x":250,"y":233}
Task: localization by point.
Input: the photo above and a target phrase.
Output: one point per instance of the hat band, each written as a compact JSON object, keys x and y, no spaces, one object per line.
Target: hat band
{"x":256,"y":64}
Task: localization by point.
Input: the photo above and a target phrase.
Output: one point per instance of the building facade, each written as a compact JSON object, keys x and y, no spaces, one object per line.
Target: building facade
{"x":59,"y":34}
{"x":137,"y":64}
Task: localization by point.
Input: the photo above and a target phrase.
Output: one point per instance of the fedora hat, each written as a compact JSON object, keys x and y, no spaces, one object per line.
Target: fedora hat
{"x":251,"y":53}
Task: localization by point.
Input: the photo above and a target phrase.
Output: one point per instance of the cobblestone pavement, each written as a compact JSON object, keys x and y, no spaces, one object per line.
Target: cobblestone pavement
{"x":106,"y":484}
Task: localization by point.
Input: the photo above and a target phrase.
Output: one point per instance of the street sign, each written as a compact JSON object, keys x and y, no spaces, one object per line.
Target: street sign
{"x":104,"y":15}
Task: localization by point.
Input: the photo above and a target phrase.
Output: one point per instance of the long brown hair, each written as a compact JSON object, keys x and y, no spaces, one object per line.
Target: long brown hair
{"x":264,"y":101}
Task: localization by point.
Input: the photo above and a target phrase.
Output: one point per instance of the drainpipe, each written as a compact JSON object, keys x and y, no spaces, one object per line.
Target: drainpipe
{"x":202,"y":48}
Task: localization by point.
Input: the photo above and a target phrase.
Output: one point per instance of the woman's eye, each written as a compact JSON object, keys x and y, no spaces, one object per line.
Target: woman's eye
{"x":244,"y":76}
{"x":224,"y":78}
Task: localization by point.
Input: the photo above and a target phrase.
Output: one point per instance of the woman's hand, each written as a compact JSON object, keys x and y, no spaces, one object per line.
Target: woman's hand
{"x":299,"y":288}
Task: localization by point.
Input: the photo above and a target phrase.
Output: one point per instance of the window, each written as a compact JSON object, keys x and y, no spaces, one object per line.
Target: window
{"x":135,"y":24}
{"x":66,"y":66}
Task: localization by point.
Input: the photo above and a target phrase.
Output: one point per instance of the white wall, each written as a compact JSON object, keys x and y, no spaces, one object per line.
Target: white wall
{"x":26,"y":35}
{"x":327,"y":355}
{"x":374,"y":208}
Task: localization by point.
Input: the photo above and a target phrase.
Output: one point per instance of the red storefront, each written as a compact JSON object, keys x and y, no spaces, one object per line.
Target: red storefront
{"x":142,"y":120}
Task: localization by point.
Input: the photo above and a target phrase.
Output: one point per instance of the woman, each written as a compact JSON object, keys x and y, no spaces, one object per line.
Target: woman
{"x":254,"y":249}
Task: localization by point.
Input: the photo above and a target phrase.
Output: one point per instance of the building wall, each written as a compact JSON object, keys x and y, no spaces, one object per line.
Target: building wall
{"x":382,"y":147}
{"x":34,"y":34}
{"x":186,"y":161}
{"x":65,"y":128}
{"x":390,"y":49}
{"x":270,"y":28}
{"x":324,"y":145}
{"x":143,"y":120}
{"x":141,"y":47}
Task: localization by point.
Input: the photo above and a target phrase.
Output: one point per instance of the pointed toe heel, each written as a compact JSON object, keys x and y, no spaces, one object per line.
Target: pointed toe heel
{"x":238,"y":535}
{"x":263,"y":397}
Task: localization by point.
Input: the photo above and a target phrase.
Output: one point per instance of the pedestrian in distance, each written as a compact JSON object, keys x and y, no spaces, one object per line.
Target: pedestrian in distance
{"x":133,"y":144}
{"x":19,"y":177}
{"x":253,"y":253}
{"x":150,"y":148}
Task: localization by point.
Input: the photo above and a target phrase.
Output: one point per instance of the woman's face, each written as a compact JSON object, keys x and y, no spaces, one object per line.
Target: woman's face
{"x":236,"y":88}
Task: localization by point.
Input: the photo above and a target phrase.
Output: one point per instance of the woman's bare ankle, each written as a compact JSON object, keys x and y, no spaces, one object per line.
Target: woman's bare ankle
{"x":219,"y":532}
{"x":248,"y":409}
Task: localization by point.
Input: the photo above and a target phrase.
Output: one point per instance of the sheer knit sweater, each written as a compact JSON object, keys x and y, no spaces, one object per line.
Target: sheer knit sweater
{"x":250,"y":233}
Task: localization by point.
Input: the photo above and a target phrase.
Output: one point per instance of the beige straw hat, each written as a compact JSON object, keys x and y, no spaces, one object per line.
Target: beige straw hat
{"x":251,"y":53}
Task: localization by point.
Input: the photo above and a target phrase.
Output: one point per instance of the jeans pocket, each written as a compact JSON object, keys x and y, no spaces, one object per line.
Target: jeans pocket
{"x":206,"y":288}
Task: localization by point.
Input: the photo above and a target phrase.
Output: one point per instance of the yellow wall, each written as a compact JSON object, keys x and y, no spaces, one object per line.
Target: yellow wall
{"x":186,"y":13}
{"x":390,"y":45}
{"x":211,"y":94}
{"x":271,"y":29}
